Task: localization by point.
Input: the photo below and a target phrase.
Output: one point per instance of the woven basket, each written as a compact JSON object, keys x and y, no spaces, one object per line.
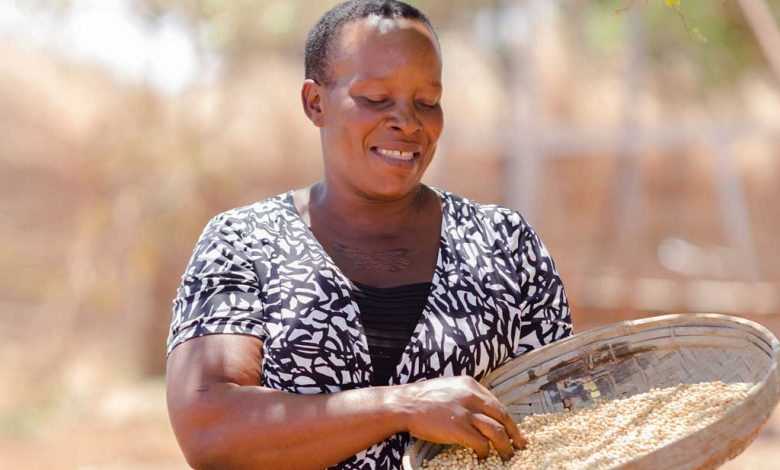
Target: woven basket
{"x":631,"y":357}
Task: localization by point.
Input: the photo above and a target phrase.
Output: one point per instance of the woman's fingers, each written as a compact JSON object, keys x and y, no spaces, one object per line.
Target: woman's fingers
{"x":496,"y":410}
{"x":495,"y":432}
{"x":460,"y":409}
{"x":473,"y":438}
{"x":519,"y":441}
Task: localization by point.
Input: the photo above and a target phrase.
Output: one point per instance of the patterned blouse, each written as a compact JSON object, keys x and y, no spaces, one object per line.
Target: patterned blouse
{"x":259,"y":270}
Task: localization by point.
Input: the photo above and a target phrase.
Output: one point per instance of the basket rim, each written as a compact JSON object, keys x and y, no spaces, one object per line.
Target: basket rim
{"x":627,"y":327}
{"x":771,"y":379}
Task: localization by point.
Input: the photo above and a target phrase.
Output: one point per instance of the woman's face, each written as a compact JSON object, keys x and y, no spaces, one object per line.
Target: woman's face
{"x":380,"y":114}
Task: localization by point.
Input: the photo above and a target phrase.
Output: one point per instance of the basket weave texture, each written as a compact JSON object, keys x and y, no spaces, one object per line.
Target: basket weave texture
{"x":631,"y":357}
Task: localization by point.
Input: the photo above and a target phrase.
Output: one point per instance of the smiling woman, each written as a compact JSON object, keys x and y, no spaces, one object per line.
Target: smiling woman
{"x":378,"y":106}
{"x":325,"y":326}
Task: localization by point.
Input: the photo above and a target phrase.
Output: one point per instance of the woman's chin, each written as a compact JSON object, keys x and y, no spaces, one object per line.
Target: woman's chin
{"x":392,"y":192}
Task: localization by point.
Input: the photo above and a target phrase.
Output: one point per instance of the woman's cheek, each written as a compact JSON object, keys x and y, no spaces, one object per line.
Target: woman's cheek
{"x":435,"y":123}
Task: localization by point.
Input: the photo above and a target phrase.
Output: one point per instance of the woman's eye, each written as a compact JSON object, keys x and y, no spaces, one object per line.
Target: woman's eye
{"x":375,"y":101}
{"x":429,"y":104}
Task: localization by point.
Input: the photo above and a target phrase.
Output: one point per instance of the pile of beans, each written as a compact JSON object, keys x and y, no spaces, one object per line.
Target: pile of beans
{"x":607,"y":434}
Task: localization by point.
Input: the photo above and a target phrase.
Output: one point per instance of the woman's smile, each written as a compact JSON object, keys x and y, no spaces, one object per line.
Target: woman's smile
{"x":400,"y":154}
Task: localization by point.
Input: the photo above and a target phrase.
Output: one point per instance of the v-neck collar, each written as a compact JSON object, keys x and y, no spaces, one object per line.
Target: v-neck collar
{"x":352,"y":315}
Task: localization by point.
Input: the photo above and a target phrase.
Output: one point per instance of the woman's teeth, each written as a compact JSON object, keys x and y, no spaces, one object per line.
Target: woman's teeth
{"x":396,"y":154}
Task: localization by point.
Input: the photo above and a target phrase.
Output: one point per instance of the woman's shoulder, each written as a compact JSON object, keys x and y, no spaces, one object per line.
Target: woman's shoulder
{"x":464,"y":209}
{"x":263,"y":215}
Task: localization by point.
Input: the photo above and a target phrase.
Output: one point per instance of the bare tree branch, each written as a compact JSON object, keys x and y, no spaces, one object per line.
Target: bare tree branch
{"x":762,"y":23}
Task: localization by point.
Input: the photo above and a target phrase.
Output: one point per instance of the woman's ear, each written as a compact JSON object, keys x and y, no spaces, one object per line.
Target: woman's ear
{"x":311,"y":98}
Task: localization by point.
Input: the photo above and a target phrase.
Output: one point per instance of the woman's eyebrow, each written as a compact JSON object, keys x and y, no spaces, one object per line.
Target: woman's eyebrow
{"x":367,"y":80}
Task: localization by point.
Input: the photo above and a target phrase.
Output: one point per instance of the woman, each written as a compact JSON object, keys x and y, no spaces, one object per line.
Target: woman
{"x":323,"y":326}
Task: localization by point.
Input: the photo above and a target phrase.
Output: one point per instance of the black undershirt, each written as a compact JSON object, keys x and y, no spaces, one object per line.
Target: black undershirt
{"x":389,"y":316}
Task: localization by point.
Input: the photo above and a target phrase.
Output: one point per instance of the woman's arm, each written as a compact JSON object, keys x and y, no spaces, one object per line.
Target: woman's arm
{"x":223,"y":419}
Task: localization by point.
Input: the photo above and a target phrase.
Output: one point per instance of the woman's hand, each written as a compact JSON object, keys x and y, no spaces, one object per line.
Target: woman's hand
{"x":458,"y":410}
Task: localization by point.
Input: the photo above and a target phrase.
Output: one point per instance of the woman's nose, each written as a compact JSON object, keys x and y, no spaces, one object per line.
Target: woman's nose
{"x":405,"y":119}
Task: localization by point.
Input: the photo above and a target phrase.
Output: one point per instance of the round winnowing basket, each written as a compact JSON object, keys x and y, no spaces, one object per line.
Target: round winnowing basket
{"x":631,"y":357}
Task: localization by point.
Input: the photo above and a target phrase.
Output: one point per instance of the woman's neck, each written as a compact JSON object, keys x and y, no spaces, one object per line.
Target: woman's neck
{"x":358,"y":213}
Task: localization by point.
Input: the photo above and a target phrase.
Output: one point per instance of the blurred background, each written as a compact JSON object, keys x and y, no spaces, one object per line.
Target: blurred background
{"x":641,"y":139}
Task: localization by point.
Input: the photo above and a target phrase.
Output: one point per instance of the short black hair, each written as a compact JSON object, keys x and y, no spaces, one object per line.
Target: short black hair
{"x":326,"y":30}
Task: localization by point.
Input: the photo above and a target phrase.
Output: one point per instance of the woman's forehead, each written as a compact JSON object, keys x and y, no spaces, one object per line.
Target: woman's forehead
{"x":372,"y":28}
{"x":373,"y":47}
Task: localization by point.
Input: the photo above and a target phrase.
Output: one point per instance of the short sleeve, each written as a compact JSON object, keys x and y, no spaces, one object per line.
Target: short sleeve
{"x":545,"y":315}
{"x":220,"y":291}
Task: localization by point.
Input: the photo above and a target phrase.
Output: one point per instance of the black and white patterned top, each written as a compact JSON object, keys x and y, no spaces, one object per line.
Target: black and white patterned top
{"x":259,"y":270}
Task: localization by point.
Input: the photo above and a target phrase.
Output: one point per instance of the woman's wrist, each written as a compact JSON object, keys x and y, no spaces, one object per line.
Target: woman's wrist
{"x":399,"y":403}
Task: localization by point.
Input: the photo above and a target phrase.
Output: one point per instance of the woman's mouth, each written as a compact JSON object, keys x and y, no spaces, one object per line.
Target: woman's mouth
{"x":398,"y":154}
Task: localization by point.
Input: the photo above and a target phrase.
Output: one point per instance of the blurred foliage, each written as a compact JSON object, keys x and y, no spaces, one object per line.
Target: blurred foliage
{"x":730,"y":47}
{"x":239,"y":28}
{"x":711,"y":36}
